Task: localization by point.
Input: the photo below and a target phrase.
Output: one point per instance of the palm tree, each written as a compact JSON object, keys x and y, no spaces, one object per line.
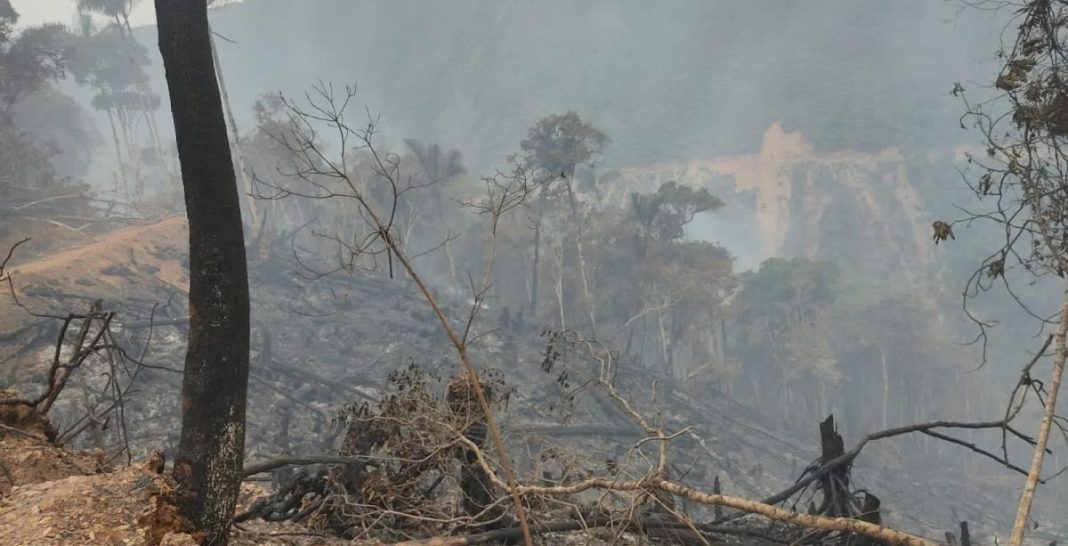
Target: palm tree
{"x":439,"y":168}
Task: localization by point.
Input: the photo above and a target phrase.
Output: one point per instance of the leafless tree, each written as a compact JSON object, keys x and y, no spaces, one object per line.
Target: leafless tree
{"x":86,"y":345}
{"x":323,"y":176}
{"x":1023,"y":178}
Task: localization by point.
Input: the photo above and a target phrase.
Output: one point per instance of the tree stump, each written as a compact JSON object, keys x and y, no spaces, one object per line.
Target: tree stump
{"x":474,"y":483}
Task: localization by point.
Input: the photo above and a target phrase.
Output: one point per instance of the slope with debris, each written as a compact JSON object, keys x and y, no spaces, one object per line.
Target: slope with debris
{"x":324,"y":343}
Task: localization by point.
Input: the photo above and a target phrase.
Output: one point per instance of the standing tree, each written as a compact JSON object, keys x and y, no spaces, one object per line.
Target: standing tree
{"x":682,"y":280}
{"x":663,"y":215}
{"x":559,"y":144}
{"x":112,"y":63}
{"x":783,"y":329}
{"x":209,"y":461}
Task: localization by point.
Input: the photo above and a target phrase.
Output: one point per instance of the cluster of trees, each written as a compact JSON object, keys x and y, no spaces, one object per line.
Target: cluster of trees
{"x":806,"y":343}
{"x":627,"y":273}
{"x":107,"y":58}
{"x":30,"y":61}
{"x":803,"y":337}
{"x":48,"y":140}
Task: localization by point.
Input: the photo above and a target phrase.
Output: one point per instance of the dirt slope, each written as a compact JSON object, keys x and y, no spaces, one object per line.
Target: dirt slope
{"x":124,"y":507}
{"x":115,"y":266}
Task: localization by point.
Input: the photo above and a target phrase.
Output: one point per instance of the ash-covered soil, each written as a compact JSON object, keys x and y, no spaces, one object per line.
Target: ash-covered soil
{"x":322,"y":343}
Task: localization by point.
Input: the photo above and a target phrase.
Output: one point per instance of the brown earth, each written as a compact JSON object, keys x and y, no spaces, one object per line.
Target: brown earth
{"x":26,"y":454}
{"x":125,"y":261}
{"x":51,"y":495}
{"x":54,"y":496}
{"x":127,"y":507}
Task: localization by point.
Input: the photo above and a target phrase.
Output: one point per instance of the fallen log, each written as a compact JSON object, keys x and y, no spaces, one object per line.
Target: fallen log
{"x":302,"y":460}
{"x":676,"y":529}
{"x":142,"y":324}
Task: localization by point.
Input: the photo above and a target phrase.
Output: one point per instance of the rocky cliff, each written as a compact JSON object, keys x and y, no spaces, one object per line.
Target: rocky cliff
{"x":867,"y":210}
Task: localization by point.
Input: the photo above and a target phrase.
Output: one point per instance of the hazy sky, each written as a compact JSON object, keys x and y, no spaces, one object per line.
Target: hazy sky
{"x":35,"y":12}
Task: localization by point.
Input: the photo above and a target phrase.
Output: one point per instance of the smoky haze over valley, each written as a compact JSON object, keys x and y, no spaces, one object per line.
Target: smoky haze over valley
{"x":688,"y":80}
{"x":677,"y":80}
{"x":746,"y":230}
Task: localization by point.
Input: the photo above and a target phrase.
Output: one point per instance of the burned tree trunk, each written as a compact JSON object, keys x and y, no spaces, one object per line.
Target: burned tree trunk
{"x":869,"y":512}
{"x":838,"y":499}
{"x":474,"y":483}
{"x":835,"y":485}
{"x":208,"y":464}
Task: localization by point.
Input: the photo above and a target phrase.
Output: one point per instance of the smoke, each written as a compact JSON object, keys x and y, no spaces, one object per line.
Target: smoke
{"x":681,"y":80}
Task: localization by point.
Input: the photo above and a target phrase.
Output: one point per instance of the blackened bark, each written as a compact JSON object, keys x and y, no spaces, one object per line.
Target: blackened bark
{"x":716,"y":488}
{"x":208,"y":464}
{"x":474,"y":483}
{"x":869,"y":512}
{"x":835,"y":485}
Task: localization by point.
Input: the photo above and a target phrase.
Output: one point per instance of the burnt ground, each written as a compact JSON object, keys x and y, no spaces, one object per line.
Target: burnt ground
{"x":320,"y":344}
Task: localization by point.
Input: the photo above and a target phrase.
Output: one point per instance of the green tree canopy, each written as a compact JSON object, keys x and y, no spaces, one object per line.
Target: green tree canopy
{"x":663,"y":215}
{"x":560,"y":142}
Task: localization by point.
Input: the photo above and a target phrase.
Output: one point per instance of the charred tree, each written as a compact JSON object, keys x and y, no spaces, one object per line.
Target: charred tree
{"x":474,"y":483}
{"x":209,"y":460}
{"x":835,"y":485}
{"x":870,"y":506}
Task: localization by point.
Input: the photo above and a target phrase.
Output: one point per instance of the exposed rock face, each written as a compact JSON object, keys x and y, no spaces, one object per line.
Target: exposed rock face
{"x":860,"y":207}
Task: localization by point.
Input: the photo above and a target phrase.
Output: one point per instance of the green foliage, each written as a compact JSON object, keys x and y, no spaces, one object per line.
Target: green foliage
{"x":113,"y":66}
{"x":698,"y":275}
{"x":782,"y":330}
{"x":664,"y":215}
{"x":779,"y":301}
{"x":560,"y":142}
{"x":30,"y":60}
{"x":790,"y":284}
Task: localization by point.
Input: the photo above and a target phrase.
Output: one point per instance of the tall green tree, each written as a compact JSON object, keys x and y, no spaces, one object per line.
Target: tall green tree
{"x":214,"y":387}
{"x":561,"y":142}
{"x":28,"y":59}
{"x":663,"y":215}
{"x":556,"y":145}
